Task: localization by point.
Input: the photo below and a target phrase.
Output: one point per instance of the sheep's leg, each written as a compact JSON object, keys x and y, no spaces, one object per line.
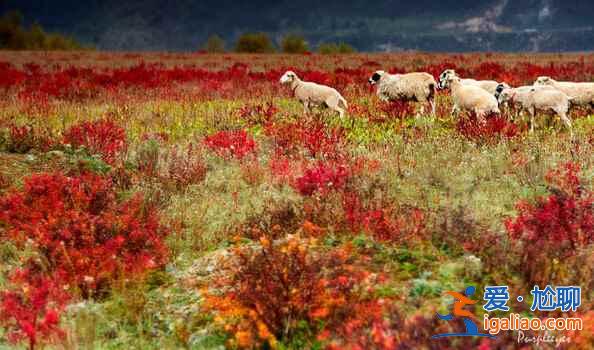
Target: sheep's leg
{"x":340,"y":112}
{"x":566,"y":121}
{"x":454,"y":109}
{"x":480,"y":116}
{"x":306,"y":107}
{"x":432,"y":104}
{"x":421,"y":111}
{"x":532,"y":112}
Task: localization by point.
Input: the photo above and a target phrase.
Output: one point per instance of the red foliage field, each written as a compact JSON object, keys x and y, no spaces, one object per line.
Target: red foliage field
{"x":190,"y":199}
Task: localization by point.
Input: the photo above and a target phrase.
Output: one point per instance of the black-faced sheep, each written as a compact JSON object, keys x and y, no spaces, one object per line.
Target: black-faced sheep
{"x":536,"y":98}
{"x":416,"y":87}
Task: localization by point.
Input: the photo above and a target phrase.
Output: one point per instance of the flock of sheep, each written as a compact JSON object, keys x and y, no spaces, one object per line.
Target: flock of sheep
{"x":483,"y":97}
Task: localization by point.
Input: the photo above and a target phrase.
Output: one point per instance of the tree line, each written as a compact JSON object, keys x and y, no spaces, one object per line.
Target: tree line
{"x":14,"y":35}
{"x":262,"y":43}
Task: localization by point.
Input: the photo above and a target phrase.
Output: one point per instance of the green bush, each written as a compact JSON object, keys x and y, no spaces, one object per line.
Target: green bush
{"x":254,"y":43}
{"x":14,"y":36}
{"x":334,"y":48}
{"x":214,"y":44}
{"x":293,"y":43}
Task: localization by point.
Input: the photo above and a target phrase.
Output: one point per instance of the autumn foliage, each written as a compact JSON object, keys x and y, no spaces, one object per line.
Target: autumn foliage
{"x":103,"y":137}
{"x":557,"y":225}
{"x":231,"y":144}
{"x":275,"y":287}
{"x":31,"y":309}
{"x":82,"y":231}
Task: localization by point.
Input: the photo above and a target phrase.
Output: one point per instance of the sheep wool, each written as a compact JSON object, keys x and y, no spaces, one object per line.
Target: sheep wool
{"x":487,"y":85}
{"x":416,"y":87}
{"x":312,"y":94}
{"x":537,"y":98}
{"x":470,"y":98}
{"x":581,"y":93}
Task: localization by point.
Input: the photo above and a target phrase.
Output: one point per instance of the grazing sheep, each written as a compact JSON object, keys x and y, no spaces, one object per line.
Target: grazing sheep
{"x":470,"y":97}
{"x":311,"y":94}
{"x":518,"y":90}
{"x":416,"y":87}
{"x":533,"y":98}
{"x":580,"y":93}
{"x":487,"y":85}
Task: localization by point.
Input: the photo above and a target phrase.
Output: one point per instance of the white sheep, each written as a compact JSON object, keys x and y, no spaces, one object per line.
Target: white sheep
{"x":580,"y":93}
{"x":470,"y":98}
{"x":416,"y":87}
{"x":311,"y":94}
{"x":536,"y":98}
{"x":487,"y":85}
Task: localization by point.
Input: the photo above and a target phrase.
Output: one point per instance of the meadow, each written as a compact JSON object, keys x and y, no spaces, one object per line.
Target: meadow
{"x":185,"y":201}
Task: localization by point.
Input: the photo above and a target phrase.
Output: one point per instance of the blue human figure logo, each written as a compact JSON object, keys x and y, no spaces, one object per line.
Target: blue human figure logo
{"x":460,"y":301}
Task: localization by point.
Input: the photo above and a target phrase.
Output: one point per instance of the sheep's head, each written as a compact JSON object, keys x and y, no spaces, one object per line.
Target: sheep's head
{"x":499,"y":89}
{"x":447,"y":73}
{"x":288,"y":77}
{"x":375,"y":78}
{"x":504,"y":95}
{"x":447,"y":81}
{"x":444,"y":76}
{"x":542,"y":81}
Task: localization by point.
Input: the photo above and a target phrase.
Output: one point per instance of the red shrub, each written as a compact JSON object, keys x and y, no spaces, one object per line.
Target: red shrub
{"x":382,"y":220}
{"x":185,"y":167}
{"x":102,"y":136}
{"x":81,"y":230}
{"x":398,"y":109}
{"x":563,"y":221}
{"x":235,"y":144}
{"x":258,"y":114}
{"x":322,"y":141}
{"x":272,"y":290}
{"x":22,"y":139}
{"x":281,"y":168}
{"x":322,"y":178}
{"x":314,"y":136}
{"x":495,"y":127}
{"x":558,"y":225}
{"x":31,"y":309}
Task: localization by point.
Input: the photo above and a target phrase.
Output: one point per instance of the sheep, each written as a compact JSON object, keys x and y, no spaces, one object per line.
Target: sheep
{"x":518,"y":90}
{"x":487,"y":85}
{"x":533,"y":98}
{"x":416,"y":86}
{"x":311,"y":94}
{"x":580,"y":93}
{"x":470,"y":97}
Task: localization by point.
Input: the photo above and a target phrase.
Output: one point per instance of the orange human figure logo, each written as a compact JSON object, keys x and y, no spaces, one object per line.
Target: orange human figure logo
{"x":460,"y":301}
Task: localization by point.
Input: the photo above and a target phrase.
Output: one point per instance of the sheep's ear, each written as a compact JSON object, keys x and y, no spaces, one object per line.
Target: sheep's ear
{"x":376,"y":76}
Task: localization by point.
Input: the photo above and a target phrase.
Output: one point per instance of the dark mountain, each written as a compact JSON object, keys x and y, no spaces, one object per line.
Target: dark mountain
{"x":446,"y":25}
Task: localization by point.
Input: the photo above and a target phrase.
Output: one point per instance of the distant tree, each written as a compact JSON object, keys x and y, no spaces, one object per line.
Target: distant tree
{"x":214,"y":44}
{"x":334,"y":48}
{"x":293,"y":43}
{"x":254,"y":43}
{"x":11,"y":30}
{"x":36,"y":39}
{"x":61,"y":42}
{"x":13,"y":36}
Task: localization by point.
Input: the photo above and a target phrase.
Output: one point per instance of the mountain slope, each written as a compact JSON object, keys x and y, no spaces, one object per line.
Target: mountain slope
{"x":448,"y":25}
